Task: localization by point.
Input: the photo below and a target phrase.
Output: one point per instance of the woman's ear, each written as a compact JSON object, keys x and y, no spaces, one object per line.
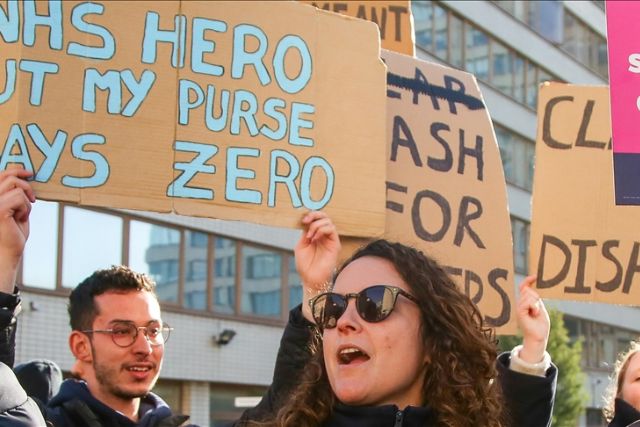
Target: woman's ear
{"x":80,"y":346}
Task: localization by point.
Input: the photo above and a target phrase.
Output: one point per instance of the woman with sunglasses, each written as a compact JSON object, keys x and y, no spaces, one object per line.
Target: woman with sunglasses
{"x":400,"y":345}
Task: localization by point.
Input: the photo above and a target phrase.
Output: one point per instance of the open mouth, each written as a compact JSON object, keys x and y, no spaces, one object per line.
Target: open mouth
{"x":349,"y":355}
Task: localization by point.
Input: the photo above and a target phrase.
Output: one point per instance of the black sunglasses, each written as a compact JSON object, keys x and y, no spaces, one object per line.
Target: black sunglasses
{"x":373,"y":304}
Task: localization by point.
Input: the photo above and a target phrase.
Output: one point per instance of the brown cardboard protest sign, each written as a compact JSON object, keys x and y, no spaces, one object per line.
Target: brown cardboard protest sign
{"x":393,"y":17}
{"x":233,"y":110}
{"x":446,"y":192}
{"x":583,"y":246}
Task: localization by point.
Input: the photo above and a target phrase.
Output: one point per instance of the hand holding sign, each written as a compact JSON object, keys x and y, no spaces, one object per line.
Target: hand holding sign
{"x":16,"y":197}
{"x":316,"y":255}
{"x":534,"y":322}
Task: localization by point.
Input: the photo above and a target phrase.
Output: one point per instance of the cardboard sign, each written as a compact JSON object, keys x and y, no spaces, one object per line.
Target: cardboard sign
{"x":583,"y":246}
{"x":446,"y":192}
{"x":235,"y":110}
{"x":624,"y":80}
{"x":393,"y":17}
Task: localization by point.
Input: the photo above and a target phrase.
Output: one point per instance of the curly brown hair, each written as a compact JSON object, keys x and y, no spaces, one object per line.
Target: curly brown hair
{"x":617,"y":378}
{"x":459,"y":380}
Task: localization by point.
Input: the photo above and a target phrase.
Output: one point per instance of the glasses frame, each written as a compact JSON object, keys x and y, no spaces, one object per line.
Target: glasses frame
{"x":165,"y":332}
{"x":395,"y":291}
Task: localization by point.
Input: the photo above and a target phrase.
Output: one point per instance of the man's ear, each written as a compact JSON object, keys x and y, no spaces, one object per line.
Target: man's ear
{"x":81,"y":346}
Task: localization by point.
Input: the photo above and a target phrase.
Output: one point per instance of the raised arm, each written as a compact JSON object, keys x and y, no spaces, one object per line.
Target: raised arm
{"x":316,"y":256}
{"x":16,"y":197}
{"x":527,"y":375}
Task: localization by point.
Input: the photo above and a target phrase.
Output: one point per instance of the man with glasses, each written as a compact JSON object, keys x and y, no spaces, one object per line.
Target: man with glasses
{"x":117,"y":337}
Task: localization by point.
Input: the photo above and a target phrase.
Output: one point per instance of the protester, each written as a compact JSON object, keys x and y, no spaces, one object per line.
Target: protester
{"x":412,"y":350}
{"x":622,"y":400}
{"x":40,"y":378}
{"x":117,"y":340}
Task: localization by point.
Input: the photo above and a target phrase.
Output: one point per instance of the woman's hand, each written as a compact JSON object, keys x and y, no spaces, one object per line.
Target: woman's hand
{"x":316,"y":256}
{"x":533,"y":320}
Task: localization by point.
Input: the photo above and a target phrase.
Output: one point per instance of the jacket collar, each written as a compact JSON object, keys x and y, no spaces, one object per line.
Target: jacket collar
{"x":379,"y":416}
{"x":625,"y":415}
{"x":152,"y":408}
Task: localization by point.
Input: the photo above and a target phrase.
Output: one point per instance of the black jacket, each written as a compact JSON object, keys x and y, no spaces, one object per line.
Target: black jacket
{"x":529,"y":399}
{"x":75,"y":406}
{"x":625,"y":415}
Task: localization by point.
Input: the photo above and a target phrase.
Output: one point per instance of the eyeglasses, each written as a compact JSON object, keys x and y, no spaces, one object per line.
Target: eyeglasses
{"x":373,"y":304}
{"x":124,"y":334}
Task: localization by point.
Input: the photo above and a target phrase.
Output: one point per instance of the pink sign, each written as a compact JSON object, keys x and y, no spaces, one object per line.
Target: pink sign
{"x":623,"y":34}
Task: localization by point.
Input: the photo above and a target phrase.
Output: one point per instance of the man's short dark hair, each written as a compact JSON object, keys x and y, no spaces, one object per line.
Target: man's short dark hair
{"x":82,"y":307}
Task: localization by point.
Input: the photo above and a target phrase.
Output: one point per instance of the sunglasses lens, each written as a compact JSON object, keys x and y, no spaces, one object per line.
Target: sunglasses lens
{"x":375,"y":303}
{"x":327,"y":309}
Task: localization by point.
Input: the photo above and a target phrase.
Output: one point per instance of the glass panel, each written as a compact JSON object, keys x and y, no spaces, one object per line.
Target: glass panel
{"x":155,"y":250}
{"x":518,"y":78}
{"x":517,"y":157}
{"x":224,"y":270}
{"x":601,"y":65}
{"x":223,"y":402}
{"x":295,"y":284}
{"x":195,"y":259}
{"x":91,"y":241}
{"x":532,"y":85}
{"x":503,"y":138}
{"x":520,"y":230}
{"x":170,"y":392}
{"x":41,"y":252}
{"x":441,"y":38}
{"x":501,"y":76}
{"x":456,"y":47}
{"x":261,"y":282}
{"x":423,"y":21}
{"x":477,"y":53}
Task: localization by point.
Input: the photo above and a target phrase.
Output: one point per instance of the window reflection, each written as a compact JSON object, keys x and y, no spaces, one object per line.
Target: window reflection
{"x":224,"y":270}
{"x":520,"y":230}
{"x":517,"y":155}
{"x":155,"y":250}
{"x":477,"y":52}
{"x":441,"y":36}
{"x":40,"y":254}
{"x":295,"y":284}
{"x":463,"y":45}
{"x":423,"y":22}
{"x":195,"y":281}
{"x":91,"y":241}
{"x":502,"y":72}
{"x":261,"y":286}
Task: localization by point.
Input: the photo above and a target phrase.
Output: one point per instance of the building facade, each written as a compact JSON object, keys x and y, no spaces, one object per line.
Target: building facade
{"x":221,"y":279}
{"x":511,"y":47}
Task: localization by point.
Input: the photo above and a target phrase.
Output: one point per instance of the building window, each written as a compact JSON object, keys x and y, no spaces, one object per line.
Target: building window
{"x":464,"y":45}
{"x":520,"y":230}
{"x":518,"y":156}
{"x":196,"y":271}
{"x":171,"y":392}
{"x":295,"y":284}
{"x":559,"y":26}
{"x":155,"y":250}
{"x":261,"y":284}
{"x":91,"y":241}
{"x":224,"y":271}
{"x":40,"y":254}
{"x":227,"y":402}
